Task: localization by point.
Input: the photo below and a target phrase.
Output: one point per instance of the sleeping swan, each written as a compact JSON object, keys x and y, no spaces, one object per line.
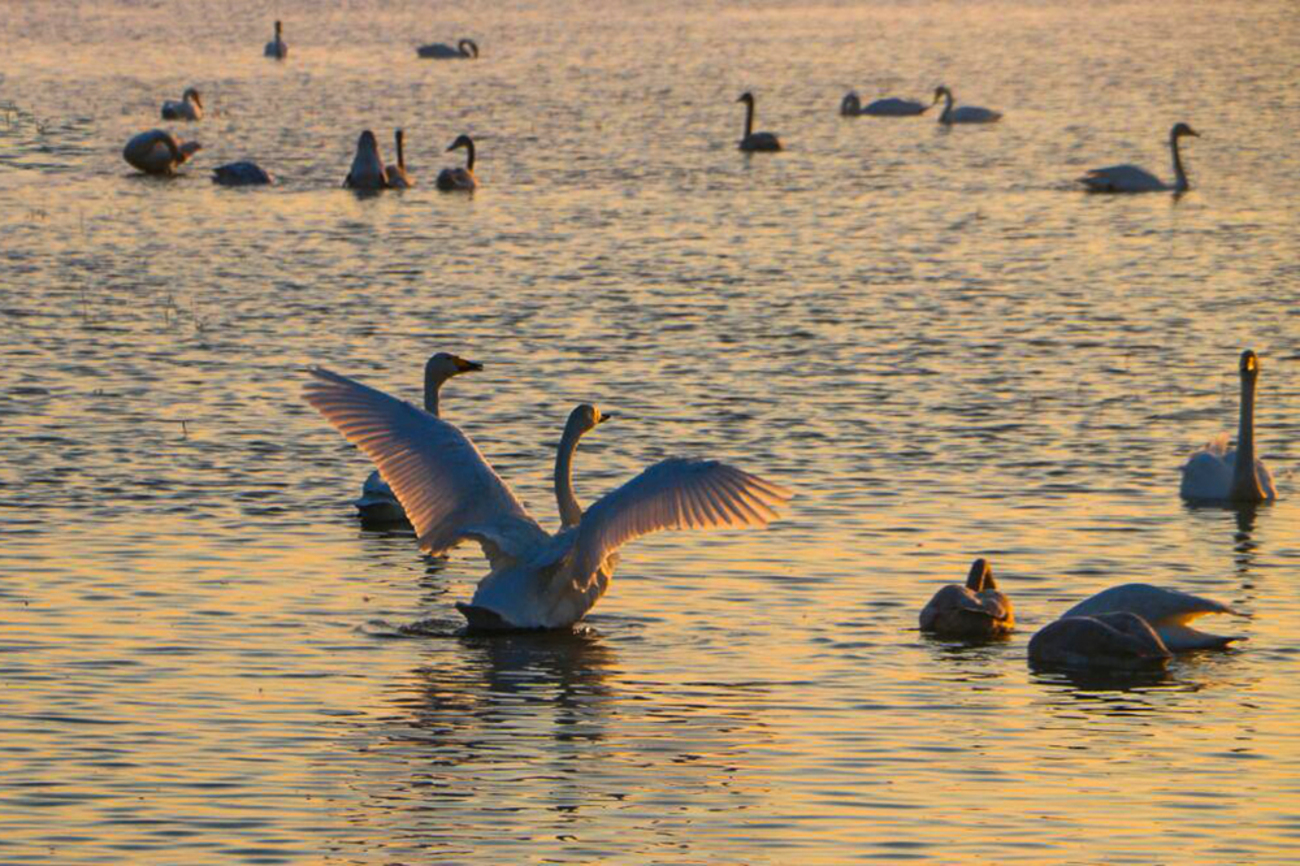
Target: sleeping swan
{"x":1222,"y":474}
{"x":158,"y":152}
{"x":976,"y":611}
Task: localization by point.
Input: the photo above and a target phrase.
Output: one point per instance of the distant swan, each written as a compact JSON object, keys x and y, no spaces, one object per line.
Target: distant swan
{"x":1218,"y":473}
{"x":466,"y":49}
{"x":1130,"y":178}
{"x":158,"y":152}
{"x":537,"y":580}
{"x":243,"y":173}
{"x":1118,"y":640}
{"x":965,"y":114}
{"x":397,"y":176}
{"x":190,"y":106}
{"x":377,"y":504}
{"x":1166,"y":610}
{"x":276,"y":47}
{"x":367,"y":170}
{"x":851,"y":106}
{"x":755,"y":141}
{"x":975,"y":611}
{"x":453,"y":179}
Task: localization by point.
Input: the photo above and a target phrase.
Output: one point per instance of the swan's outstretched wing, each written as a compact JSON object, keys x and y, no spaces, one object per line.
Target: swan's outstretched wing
{"x":674,"y":494}
{"x":443,"y":482}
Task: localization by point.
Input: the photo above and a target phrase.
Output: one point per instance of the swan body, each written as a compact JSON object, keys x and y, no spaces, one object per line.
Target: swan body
{"x":466,"y":49}
{"x":1116,"y":640}
{"x":276,"y":47}
{"x":965,"y":114}
{"x":537,"y":580}
{"x":397,"y":176}
{"x":755,"y":141}
{"x":851,"y":106}
{"x":243,"y":173}
{"x":1166,"y":610}
{"x":378,"y":504}
{"x":1131,"y":178}
{"x":367,"y":170}
{"x":158,"y":152}
{"x":459,"y":179}
{"x":976,"y":611}
{"x":189,"y":107}
{"x":1218,"y":473}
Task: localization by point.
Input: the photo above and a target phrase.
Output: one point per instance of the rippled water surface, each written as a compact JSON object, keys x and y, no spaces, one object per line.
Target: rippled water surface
{"x":943,"y":347}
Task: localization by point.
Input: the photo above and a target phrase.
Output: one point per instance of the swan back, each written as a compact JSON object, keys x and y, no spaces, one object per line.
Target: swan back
{"x":1166,"y":610}
{"x":241,"y":174}
{"x":276,"y":47}
{"x":367,"y":170}
{"x":1107,"y":640}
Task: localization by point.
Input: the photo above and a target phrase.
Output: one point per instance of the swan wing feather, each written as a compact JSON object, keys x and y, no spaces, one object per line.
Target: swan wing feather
{"x":1158,"y":606}
{"x":1121,"y":178}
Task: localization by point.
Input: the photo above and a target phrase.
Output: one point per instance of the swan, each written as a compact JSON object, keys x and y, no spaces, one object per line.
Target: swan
{"x":965,"y":114}
{"x":466,"y":49}
{"x":243,"y":173}
{"x":190,"y":106}
{"x":1218,"y":473}
{"x":891,"y":106}
{"x":377,"y":504}
{"x":276,"y":47}
{"x":754,"y":141}
{"x":1107,"y":640}
{"x":537,"y":580}
{"x":397,"y":176}
{"x":1130,"y":178}
{"x":1166,"y":610}
{"x":453,"y":179}
{"x":158,"y":152}
{"x":974,"y":611}
{"x":367,"y":170}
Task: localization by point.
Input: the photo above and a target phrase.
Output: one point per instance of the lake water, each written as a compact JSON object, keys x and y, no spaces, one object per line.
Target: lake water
{"x":930,"y":335}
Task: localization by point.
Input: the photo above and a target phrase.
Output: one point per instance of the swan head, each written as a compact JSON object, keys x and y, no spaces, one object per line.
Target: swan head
{"x":586,"y":417}
{"x":367,"y":143}
{"x":468,"y":47}
{"x":277,"y":30}
{"x":941,"y":91}
{"x":850,"y":104}
{"x":461,"y":141}
{"x":1249,"y":365}
{"x":980,"y":577}
{"x":192,"y":95}
{"x":444,"y":365}
{"x":188,"y":149}
{"x":1181,"y":129}
{"x":747,"y":98}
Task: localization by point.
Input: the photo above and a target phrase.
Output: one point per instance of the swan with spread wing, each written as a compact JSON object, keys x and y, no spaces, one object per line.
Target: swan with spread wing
{"x":537,"y":580}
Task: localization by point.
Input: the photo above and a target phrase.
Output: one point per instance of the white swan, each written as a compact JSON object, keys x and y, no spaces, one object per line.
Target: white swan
{"x":190,"y":106}
{"x":1219,"y":473}
{"x":965,"y":114}
{"x":276,"y":47}
{"x":975,"y":611}
{"x":158,"y":152}
{"x":397,"y":176}
{"x":755,"y":141}
{"x":1166,"y":610}
{"x":462,"y":179}
{"x":892,"y":106}
{"x":378,"y":505}
{"x":1117,"y":640}
{"x":243,"y":173}
{"x":466,"y":49}
{"x":536,"y":580}
{"x":367,"y":170}
{"x":1130,"y":178}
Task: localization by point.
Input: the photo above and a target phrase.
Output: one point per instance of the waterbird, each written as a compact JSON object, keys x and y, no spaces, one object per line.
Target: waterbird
{"x":1131,"y":178}
{"x":892,"y":106}
{"x":466,"y":49}
{"x":158,"y":152}
{"x":755,"y":141}
{"x":965,"y":114}
{"x":453,"y":179}
{"x":1166,"y":610}
{"x":243,"y":173}
{"x":537,"y":580}
{"x":1117,"y":640}
{"x":189,"y":107}
{"x":276,"y":47}
{"x":397,"y":176}
{"x":1217,"y":473}
{"x":367,"y":170}
{"x":976,"y":611}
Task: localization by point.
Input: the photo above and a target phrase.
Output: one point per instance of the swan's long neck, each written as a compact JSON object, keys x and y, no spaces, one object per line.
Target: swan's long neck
{"x":570,"y":510}
{"x":469,"y":160}
{"x":401,"y":163}
{"x":749,"y":117}
{"x":432,"y":388}
{"x":1180,"y":176}
{"x":1245,"y":483}
{"x":947,"y":106}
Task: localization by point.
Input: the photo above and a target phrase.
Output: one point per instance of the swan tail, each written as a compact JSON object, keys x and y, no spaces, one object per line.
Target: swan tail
{"x":1181,"y":638}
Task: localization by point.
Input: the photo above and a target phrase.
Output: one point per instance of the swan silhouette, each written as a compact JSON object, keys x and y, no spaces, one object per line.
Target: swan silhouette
{"x":537,"y":580}
{"x":158,"y":152}
{"x":466,"y":49}
{"x":397,"y":176}
{"x":1166,"y":610}
{"x":276,"y":47}
{"x":1219,"y":473}
{"x":188,"y":107}
{"x":1131,"y":178}
{"x":892,"y":106}
{"x":242,"y":173}
{"x":1116,"y":640}
{"x":755,"y":141}
{"x":367,"y":170}
{"x":976,"y":611}
{"x":453,"y":179}
{"x":965,"y":114}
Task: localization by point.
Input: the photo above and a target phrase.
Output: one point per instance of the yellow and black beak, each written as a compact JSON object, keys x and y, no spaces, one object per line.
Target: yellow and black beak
{"x":467,"y":366}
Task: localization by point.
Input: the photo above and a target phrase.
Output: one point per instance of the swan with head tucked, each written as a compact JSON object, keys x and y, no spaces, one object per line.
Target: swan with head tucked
{"x":976,"y":611}
{"x":189,"y":107}
{"x":367,"y":170}
{"x":965,"y":114}
{"x":1166,"y":610}
{"x":276,"y":47}
{"x":1221,"y":474}
{"x":397,"y":176}
{"x":158,"y":152}
{"x":892,"y":106}
{"x":462,"y":179}
{"x":1117,"y":640}
{"x":755,"y":141}
{"x":243,"y":173}
{"x":537,"y":580}
{"x":378,"y":505}
{"x":1130,"y":178}
{"x":466,"y":49}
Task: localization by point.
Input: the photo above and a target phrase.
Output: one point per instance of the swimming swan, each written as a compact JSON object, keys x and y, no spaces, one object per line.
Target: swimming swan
{"x":242,"y":173}
{"x":1130,"y":178}
{"x":891,"y":106}
{"x":1116,"y":640}
{"x":965,"y":114}
{"x":276,"y":47}
{"x":976,"y":611}
{"x":453,"y":179}
{"x":466,"y":49}
{"x":190,"y":106}
{"x":1219,"y":473}
{"x":397,"y":176}
{"x":755,"y":141}
{"x":367,"y":170}
{"x":377,"y":504}
{"x":158,"y":152}
{"x":537,"y":580}
{"x":1166,"y":610}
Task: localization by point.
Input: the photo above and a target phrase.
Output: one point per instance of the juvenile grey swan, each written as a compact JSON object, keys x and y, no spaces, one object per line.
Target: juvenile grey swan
{"x":158,"y":152}
{"x":1218,"y":473}
{"x":1131,"y":178}
{"x":755,"y":141}
{"x":976,"y":611}
{"x":188,"y":107}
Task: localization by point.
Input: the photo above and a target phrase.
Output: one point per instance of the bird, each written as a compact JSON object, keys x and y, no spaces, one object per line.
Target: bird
{"x":466,"y":49}
{"x":378,"y":505}
{"x":243,"y":173}
{"x":1117,"y":640}
{"x":1166,"y":610}
{"x":367,"y":170}
{"x":189,"y":107}
{"x":453,"y":179}
{"x":1218,"y":473}
{"x":891,"y":106}
{"x":397,"y":176}
{"x":276,"y":47}
{"x":1131,"y":178}
{"x":976,"y":611}
{"x":755,"y":141}
{"x":965,"y":114}
{"x":537,"y":580}
{"x":158,"y":152}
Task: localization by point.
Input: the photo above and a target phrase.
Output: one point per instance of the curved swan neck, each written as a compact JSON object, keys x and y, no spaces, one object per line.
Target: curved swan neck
{"x":401,"y":163}
{"x":469,"y":150}
{"x":1245,"y":482}
{"x":1180,"y":176}
{"x":570,"y":510}
{"x":947,"y":106}
{"x":749,"y":117}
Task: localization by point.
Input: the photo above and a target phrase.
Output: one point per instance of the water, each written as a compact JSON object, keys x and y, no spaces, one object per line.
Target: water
{"x":929,"y":335}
